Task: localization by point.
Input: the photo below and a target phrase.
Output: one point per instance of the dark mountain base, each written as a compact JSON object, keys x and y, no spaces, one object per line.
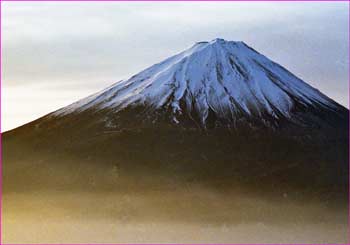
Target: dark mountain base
{"x":218,"y":159}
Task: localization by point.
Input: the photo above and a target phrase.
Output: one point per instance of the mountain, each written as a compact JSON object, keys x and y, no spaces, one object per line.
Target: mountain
{"x":218,"y":113}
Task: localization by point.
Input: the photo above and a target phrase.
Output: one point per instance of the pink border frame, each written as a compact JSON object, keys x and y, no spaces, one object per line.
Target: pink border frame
{"x":348,"y":235}
{"x":174,"y":0}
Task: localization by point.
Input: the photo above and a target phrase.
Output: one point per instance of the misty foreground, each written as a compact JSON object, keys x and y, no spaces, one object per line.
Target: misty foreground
{"x":172,"y":185}
{"x":177,"y":215}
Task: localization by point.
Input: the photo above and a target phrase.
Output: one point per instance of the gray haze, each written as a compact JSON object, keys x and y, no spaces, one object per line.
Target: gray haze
{"x":55,"y":53}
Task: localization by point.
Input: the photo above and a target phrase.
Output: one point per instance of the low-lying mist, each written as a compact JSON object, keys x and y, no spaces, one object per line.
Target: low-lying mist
{"x":91,"y":206}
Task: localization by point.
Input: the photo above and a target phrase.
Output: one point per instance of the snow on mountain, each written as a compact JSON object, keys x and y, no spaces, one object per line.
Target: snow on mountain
{"x":226,"y":77}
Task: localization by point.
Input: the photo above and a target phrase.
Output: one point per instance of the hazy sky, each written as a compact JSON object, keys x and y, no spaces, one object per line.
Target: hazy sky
{"x":56,"y":53}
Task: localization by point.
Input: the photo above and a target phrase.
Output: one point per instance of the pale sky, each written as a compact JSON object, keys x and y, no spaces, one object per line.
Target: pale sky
{"x":56,"y":53}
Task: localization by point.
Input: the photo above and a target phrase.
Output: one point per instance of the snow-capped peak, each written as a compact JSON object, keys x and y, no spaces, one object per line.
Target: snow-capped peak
{"x":226,"y":77}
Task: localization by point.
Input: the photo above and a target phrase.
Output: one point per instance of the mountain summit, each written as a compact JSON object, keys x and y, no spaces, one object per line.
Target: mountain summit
{"x":217,"y":82}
